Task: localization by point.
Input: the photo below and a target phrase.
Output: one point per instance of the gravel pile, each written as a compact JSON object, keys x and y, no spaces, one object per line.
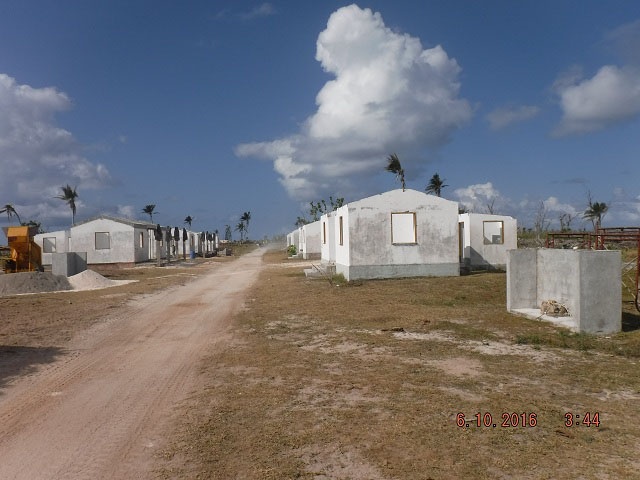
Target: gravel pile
{"x":42,"y":282}
{"x":32,"y":282}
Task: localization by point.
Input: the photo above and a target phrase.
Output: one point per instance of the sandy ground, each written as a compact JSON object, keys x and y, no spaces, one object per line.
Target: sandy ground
{"x":103,"y":410}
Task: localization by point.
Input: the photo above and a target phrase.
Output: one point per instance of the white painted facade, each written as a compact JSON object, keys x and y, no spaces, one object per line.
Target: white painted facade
{"x":485,"y":239}
{"x":293,"y":238}
{"x":112,"y":240}
{"x":397,"y":234}
{"x":328,"y":238}
{"x":309,"y":243}
{"x":105,"y":239}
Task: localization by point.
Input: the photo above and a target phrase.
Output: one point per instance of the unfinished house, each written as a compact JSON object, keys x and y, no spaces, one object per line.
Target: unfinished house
{"x":105,"y":239}
{"x":485,"y":240}
{"x":397,"y":234}
{"x":309,"y":240}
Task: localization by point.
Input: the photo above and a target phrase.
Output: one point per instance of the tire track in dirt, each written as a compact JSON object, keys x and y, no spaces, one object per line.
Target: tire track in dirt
{"x":102,"y":411}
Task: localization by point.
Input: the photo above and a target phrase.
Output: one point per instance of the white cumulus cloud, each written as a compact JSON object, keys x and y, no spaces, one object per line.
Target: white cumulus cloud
{"x":388,"y":95}
{"x":611,"y":96}
{"x":482,"y":198}
{"x":552,"y":204}
{"x":36,"y":156}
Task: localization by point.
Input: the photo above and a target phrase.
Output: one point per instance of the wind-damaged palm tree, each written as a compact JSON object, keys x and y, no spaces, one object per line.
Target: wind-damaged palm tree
{"x":149,"y":210}
{"x":435,"y":185}
{"x":395,"y":167}
{"x":188,"y":220}
{"x":246,"y":216}
{"x":595,"y":212}
{"x":69,"y":195}
{"x":241,"y":228}
{"x":10,"y":211}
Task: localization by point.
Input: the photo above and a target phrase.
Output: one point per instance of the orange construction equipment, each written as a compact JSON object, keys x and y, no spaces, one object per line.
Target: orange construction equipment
{"x":25,"y":253}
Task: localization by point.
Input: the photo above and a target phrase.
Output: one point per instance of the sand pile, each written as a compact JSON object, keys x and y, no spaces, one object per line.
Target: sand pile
{"x":32,"y":282}
{"x":90,"y":280}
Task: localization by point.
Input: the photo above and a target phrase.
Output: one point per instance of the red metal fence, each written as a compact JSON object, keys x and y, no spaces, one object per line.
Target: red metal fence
{"x":602,"y":239}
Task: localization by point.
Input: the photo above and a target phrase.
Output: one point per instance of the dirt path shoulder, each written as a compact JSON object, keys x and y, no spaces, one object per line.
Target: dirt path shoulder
{"x":101,"y":411}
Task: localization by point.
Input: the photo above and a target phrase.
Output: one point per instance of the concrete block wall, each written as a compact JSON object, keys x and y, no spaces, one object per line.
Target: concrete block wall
{"x":587,"y":282}
{"x":68,"y":264}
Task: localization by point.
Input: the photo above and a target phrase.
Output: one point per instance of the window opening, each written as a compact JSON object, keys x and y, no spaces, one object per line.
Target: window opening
{"x":493,"y":232}
{"x":103,"y":242}
{"x":403,"y":228}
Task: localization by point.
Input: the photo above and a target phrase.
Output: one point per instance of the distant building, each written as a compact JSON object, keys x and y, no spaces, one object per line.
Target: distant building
{"x":309,"y":240}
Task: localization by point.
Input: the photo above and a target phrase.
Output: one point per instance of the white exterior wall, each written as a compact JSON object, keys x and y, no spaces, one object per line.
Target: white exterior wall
{"x":123,"y":244}
{"x":61,"y":244}
{"x":328,"y":237}
{"x":343,"y":257}
{"x":476,"y":250}
{"x":310,"y":240}
{"x":367,"y":250}
{"x":301,"y":241}
{"x":293,"y":238}
{"x":124,"y":241}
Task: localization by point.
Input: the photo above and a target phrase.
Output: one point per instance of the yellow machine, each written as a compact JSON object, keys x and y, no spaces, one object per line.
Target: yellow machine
{"x":26,"y":255}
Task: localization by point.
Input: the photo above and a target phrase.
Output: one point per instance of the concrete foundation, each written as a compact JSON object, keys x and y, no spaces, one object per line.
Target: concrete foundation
{"x":587,"y":282}
{"x":68,"y":264}
{"x":359,"y":272}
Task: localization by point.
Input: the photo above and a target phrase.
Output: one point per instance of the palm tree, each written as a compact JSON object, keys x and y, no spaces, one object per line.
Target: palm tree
{"x":11,"y":211}
{"x":188,"y":220}
{"x":595,"y":212}
{"x":227,"y":233}
{"x":148,"y":209}
{"x":246,"y":216}
{"x":69,"y":195}
{"x":241,"y":228}
{"x":395,"y":167}
{"x":435,"y":185}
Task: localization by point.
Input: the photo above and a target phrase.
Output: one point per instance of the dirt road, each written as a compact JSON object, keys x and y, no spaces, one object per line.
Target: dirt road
{"x":103,"y":410}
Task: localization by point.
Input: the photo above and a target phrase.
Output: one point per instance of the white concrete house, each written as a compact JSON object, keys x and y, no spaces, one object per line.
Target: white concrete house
{"x":485,"y":240}
{"x":293,"y":238}
{"x":309,"y":243}
{"x":328,"y":238}
{"x":397,"y":234}
{"x":105,"y":239}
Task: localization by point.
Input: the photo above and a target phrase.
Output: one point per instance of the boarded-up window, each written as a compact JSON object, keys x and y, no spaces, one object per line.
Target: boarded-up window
{"x":493,"y":232}
{"x":403,"y":228}
{"x":49,"y":245}
{"x":324,"y":233}
{"x":341,"y":231}
{"x":103,"y":241}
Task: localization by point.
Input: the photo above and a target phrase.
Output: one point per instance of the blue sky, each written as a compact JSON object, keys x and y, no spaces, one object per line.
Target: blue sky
{"x":214,"y":108}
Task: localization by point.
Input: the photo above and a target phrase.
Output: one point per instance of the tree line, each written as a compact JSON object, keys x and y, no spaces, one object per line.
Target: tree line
{"x":594,"y":213}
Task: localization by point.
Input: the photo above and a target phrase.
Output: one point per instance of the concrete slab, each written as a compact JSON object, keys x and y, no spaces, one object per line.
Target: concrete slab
{"x":534,"y":314}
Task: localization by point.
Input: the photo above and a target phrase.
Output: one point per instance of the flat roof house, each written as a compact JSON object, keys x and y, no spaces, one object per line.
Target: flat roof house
{"x":397,"y":234}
